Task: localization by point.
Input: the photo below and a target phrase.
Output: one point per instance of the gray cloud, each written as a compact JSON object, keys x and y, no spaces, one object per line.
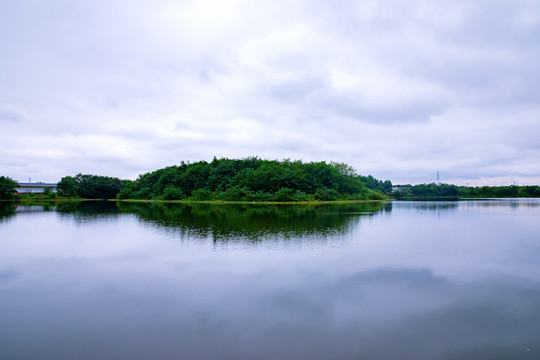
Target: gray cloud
{"x":10,"y":116}
{"x":399,"y":91}
{"x":7,"y":276}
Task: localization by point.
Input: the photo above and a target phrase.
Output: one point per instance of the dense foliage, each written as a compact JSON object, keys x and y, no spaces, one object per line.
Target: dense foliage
{"x":452,"y":191}
{"x":7,"y":187}
{"x":251,"y":179}
{"x":90,"y":186}
{"x":254,"y":179}
{"x":374,"y":184}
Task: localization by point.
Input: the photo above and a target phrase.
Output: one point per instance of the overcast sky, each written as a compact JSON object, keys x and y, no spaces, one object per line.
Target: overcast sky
{"x":397,"y":89}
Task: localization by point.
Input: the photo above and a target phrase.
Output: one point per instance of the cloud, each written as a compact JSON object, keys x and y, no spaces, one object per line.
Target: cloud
{"x":399,"y":91}
{"x":7,"y":276}
{"x":10,"y":116}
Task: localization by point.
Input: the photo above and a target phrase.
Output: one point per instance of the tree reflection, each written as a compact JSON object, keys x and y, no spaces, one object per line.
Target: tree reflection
{"x":7,"y":210}
{"x":240,"y":222}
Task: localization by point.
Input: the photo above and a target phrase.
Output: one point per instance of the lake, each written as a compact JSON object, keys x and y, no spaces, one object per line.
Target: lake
{"x":394,"y":280}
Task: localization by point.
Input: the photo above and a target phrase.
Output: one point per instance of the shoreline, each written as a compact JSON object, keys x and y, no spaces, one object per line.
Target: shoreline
{"x":210,"y":202}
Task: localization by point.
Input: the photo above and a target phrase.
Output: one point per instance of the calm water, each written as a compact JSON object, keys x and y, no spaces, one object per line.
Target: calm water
{"x":401,"y":280}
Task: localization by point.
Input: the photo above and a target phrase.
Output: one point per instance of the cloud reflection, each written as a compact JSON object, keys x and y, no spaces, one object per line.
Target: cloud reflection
{"x":380,"y":313}
{"x":94,"y":288}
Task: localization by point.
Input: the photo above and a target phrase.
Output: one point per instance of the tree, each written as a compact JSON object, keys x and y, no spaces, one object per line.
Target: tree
{"x":90,"y":186}
{"x":171,"y":192}
{"x":67,"y":186}
{"x":7,"y":187}
{"x":253,"y":179}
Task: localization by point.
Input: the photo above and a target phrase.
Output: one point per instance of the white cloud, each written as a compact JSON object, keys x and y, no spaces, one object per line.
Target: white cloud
{"x":397,"y":90}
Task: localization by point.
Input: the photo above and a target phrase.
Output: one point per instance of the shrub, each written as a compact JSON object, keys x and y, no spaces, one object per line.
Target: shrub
{"x":325,"y":194}
{"x":171,"y":192}
{"x":201,"y":195}
{"x":284,"y":194}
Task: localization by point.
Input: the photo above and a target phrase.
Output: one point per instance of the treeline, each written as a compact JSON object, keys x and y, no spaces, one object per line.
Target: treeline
{"x":254,"y":179}
{"x":248,"y":179}
{"x":91,"y":186}
{"x":251,"y":179}
{"x":425,"y":191}
{"x":374,"y":184}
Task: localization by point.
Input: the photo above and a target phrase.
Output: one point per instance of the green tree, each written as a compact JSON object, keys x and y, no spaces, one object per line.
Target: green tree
{"x":171,"y":192}
{"x":325,"y":194}
{"x":49,"y":193}
{"x":201,"y":195}
{"x":252,"y":179}
{"x":529,"y":191}
{"x":7,"y":187}
{"x":67,"y":186}
{"x":90,"y":186}
{"x":285,"y":194}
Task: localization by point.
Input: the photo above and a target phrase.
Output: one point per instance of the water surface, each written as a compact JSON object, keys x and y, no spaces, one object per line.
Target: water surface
{"x":401,"y":280}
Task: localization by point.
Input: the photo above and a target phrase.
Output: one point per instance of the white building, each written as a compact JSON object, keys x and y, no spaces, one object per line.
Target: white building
{"x":35,"y":188}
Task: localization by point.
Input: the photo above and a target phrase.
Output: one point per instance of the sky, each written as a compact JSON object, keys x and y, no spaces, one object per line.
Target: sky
{"x":400,"y":90}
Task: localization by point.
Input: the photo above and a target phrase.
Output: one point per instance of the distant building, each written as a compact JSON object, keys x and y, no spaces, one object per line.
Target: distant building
{"x":35,"y":188}
{"x":400,"y":187}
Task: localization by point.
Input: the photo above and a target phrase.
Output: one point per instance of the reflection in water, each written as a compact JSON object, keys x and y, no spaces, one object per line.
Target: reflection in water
{"x":225,"y":223}
{"x":88,"y":211}
{"x":503,"y":203}
{"x":7,"y":210}
{"x":413,"y":314}
{"x":415,"y":280}
{"x":427,"y":205}
{"x":220,"y":222}
{"x":511,"y":203}
{"x":88,"y":208}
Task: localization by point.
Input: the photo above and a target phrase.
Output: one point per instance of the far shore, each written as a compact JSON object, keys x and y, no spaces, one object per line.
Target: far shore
{"x":216,"y":202}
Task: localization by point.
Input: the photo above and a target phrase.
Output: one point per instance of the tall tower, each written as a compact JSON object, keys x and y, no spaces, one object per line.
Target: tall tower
{"x":438,"y":182}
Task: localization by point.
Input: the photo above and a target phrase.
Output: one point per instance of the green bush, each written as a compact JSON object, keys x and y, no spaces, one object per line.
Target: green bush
{"x":325,"y":194}
{"x":258,"y":196}
{"x":201,"y":195}
{"x":171,"y":192}
{"x":234,"y":193}
{"x":143,"y":193}
{"x":285,"y":194}
{"x":125,"y":193}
